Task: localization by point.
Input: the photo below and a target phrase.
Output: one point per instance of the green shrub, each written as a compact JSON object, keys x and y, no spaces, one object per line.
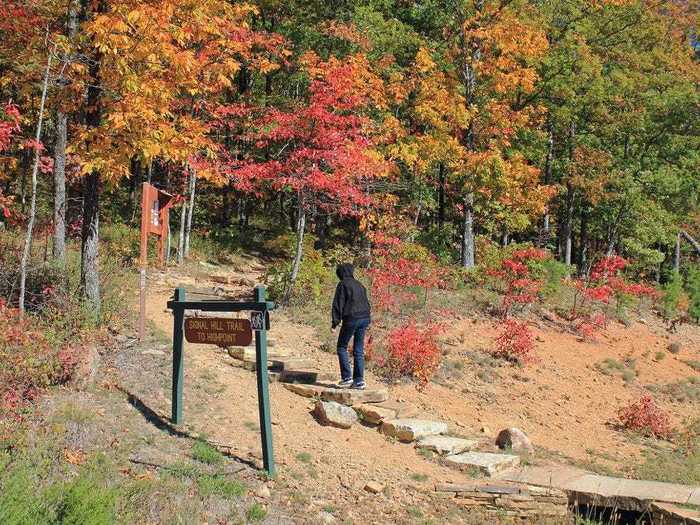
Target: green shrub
{"x":672,"y":292}
{"x":256,"y":512}
{"x":693,"y":288}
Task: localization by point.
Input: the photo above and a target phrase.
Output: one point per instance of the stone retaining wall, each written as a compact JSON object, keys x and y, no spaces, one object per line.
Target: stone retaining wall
{"x":510,"y":499}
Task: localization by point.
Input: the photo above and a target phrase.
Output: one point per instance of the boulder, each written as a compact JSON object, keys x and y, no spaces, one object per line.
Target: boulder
{"x":375,"y":415}
{"x":408,"y":430}
{"x":350,"y":397}
{"x":335,"y":414}
{"x":446,"y":445}
{"x":515,"y":440}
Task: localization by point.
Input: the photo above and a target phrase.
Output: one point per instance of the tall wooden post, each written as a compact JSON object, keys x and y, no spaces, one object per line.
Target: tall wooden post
{"x":178,"y":364}
{"x":263,"y":390}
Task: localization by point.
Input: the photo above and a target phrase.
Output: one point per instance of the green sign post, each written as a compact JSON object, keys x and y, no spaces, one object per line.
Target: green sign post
{"x":259,"y":309}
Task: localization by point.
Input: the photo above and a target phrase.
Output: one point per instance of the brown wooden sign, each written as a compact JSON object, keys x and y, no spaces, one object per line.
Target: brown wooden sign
{"x":217,"y":331}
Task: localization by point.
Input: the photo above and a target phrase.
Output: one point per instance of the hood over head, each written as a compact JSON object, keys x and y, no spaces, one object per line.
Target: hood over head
{"x":344,"y":271}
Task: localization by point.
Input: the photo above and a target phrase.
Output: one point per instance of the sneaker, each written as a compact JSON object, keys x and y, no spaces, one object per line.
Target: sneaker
{"x":345,"y":383}
{"x":359,"y":386}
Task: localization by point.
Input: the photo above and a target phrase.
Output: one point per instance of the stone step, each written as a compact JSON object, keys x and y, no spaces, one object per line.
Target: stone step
{"x":375,"y":414}
{"x":308,"y":377}
{"x":247,"y":353}
{"x":292,"y":363}
{"x":586,"y":487}
{"x":509,"y":499}
{"x":345,"y":396}
{"x":408,"y":430}
{"x":484,"y":462}
{"x":668,"y":514}
{"x":447,"y":445}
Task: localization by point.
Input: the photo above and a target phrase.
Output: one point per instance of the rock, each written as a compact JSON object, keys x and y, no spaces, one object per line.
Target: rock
{"x":483,"y":462}
{"x":263,"y":492}
{"x":674,"y":348}
{"x":548,"y":315}
{"x":374,"y":488}
{"x":326,"y":518}
{"x":292,"y":363}
{"x":121,"y":338}
{"x":248,"y":353}
{"x":447,"y":445}
{"x":350,"y":397}
{"x":153,"y":352}
{"x":335,"y":414}
{"x":305,"y":390}
{"x":375,"y":415}
{"x":515,"y":440}
{"x":408,"y":430}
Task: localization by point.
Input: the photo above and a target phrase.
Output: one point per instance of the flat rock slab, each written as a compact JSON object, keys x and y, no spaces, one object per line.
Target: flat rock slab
{"x":484,"y":462}
{"x":375,"y":415}
{"x":334,"y":414}
{"x":351,"y":397}
{"x":626,"y":494}
{"x":292,"y":363}
{"x":447,"y":445}
{"x":408,"y":430}
{"x":247,"y":353}
{"x":346,"y":396}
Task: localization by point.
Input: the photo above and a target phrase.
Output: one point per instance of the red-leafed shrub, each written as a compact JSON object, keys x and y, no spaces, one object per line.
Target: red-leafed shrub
{"x":29,"y":363}
{"x":515,"y":342}
{"x":646,"y":417}
{"x":412,"y":352}
{"x":604,"y":284}
{"x":514,"y":272}
{"x":402,"y":273}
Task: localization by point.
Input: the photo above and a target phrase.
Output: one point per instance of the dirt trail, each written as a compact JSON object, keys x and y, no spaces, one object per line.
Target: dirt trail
{"x":328,"y":466}
{"x":563,"y":402}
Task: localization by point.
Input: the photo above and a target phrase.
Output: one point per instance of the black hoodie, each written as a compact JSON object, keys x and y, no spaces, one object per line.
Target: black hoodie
{"x":350,"y":301}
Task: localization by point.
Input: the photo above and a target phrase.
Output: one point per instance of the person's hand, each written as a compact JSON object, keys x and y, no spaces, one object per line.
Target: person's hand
{"x":333,"y":326}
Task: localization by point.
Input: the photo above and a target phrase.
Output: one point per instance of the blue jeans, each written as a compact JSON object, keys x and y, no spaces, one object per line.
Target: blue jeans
{"x":355,"y":329}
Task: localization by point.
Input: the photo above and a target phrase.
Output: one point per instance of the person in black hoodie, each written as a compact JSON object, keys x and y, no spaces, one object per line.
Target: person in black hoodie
{"x":351,"y":307}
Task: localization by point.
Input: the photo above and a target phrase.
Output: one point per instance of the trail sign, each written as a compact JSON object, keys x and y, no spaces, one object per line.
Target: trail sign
{"x":260,"y":320}
{"x":217,"y":331}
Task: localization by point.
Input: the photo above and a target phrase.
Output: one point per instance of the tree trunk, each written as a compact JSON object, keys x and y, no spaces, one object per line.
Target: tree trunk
{"x":32,"y":209}
{"x":190,"y":212}
{"x":677,"y":254}
{"x":59,"y":189}
{"x":301,"y":224}
{"x":695,"y":244}
{"x":583,"y":243}
{"x":548,"y":179}
{"x":569,"y":225}
{"x":181,"y":238}
{"x":468,"y":232}
{"x":441,"y":195}
{"x":89,"y":270}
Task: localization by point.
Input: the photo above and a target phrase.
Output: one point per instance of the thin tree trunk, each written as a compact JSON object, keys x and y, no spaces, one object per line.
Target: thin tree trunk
{"x":59,"y":189}
{"x":583,"y":243}
{"x":181,"y":238}
{"x":548,"y":179}
{"x":468,"y":232}
{"x":569,"y":226}
{"x":677,"y":254}
{"x":301,"y":224}
{"x":695,"y":244}
{"x":59,"y":165}
{"x":190,"y":212}
{"x":441,"y":195}
{"x":32,"y":209}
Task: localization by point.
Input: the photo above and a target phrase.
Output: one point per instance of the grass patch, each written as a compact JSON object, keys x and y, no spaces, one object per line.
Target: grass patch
{"x":686,"y":390}
{"x":220,"y":486}
{"x":205,"y":453}
{"x":419,"y":477}
{"x":660,"y":356}
{"x":256,"y":513}
{"x":695,"y":365}
{"x":625,"y":369}
{"x":304,"y":457}
{"x":680,"y":464}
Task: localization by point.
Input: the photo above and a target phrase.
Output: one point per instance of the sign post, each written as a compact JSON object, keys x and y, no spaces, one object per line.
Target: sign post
{"x":225,"y":332}
{"x":155,"y":220}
